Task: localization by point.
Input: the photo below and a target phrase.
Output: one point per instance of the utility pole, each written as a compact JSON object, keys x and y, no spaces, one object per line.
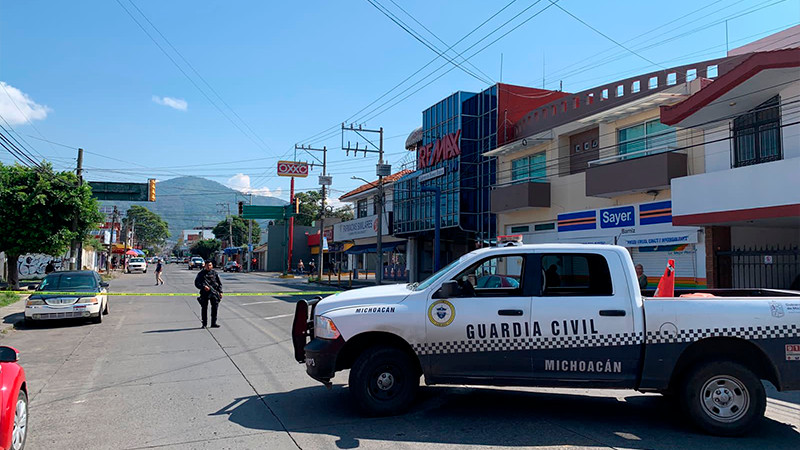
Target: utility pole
{"x":250,"y":240}
{"x":75,"y":262}
{"x":381,"y":170}
{"x":324,"y":180}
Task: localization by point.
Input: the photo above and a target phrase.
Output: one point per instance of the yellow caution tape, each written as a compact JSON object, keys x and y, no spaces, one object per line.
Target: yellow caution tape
{"x":174,"y":294}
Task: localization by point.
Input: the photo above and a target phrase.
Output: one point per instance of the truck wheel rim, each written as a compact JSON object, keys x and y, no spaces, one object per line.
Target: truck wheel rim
{"x":385,"y":383}
{"x":725,"y":399}
{"x":20,"y":425}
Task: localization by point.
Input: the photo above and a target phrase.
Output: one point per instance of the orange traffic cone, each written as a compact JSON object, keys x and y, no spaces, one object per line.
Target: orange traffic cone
{"x":666,"y":285}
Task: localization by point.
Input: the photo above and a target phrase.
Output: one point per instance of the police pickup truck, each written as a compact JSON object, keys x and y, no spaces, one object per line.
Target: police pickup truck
{"x":555,"y":315}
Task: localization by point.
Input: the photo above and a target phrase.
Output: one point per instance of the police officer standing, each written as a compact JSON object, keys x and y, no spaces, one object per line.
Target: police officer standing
{"x":210,"y":291}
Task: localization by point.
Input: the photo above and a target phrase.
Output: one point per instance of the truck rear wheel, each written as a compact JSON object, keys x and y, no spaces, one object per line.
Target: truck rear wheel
{"x":723,"y":398}
{"x":383,"y":381}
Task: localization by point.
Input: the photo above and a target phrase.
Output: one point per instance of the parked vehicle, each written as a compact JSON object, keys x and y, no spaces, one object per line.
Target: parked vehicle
{"x":137,"y":265}
{"x":14,"y":411}
{"x":85,"y":297}
{"x":232,"y":266}
{"x":196,"y":263}
{"x":574,"y":317}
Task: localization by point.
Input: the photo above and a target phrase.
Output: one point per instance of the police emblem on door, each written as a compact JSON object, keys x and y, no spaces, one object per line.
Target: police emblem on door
{"x":441,"y":313}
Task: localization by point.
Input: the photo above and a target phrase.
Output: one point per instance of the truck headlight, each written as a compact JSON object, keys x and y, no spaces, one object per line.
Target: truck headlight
{"x":324,"y":328}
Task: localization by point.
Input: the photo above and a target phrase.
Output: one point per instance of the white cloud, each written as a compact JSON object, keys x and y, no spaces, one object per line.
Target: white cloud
{"x":15,"y":106}
{"x":174,"y":103}
{"x":241,"y":183}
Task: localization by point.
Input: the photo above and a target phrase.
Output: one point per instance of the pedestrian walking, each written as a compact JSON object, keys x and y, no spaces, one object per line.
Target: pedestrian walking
{"x":207,"y":281}
{"x":301,"y":268}
{"x":312,"y":268}
{"x":641,"y":277}
{"x":159,"y":269}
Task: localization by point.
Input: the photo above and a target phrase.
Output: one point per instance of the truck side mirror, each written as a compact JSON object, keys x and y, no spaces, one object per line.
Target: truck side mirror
{"x":448,"y":289}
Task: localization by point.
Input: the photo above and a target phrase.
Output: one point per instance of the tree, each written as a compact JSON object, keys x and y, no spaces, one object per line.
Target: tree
{"x":239,"y":226}
{"x":151,"y":231}
{"x":38,"y":207}
{"x":311,"y":206}
{"x":206,"y":248}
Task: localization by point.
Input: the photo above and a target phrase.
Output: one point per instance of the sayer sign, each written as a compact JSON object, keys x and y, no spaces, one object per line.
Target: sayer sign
{"x":444,"y":148}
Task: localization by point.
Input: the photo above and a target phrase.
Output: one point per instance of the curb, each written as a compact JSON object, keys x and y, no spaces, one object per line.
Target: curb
{"x":9,"y":310}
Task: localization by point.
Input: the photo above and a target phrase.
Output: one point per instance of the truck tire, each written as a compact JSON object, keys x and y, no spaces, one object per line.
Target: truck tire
{"x":383,"y":381}
{"x":723,"y":398}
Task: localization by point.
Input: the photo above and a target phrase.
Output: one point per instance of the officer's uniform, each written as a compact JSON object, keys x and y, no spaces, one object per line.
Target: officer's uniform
{"x":214,"y":294}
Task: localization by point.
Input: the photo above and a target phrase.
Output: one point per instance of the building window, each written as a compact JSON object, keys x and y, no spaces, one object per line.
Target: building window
{"x":672,"y":78}
{"x":361,"y":207}
{"x":520,"y":229}
{"x":652,"y":83}
{"x":529,"y":168}
{"x":636,"y":86}
{"x":691,"y":74}
{"x":757,"y":134}
{"x":646,"y":139}
{"x":712,"y":71}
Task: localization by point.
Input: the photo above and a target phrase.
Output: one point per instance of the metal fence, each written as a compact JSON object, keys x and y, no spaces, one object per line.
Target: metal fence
{"x":773,"y":268}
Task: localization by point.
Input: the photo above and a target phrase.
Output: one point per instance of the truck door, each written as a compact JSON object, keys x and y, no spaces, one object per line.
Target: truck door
{"x":480,"y":331}
{"x":582,"y":323}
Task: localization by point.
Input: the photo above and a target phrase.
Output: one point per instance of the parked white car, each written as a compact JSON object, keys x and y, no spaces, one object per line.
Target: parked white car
{"x":137,"y":264}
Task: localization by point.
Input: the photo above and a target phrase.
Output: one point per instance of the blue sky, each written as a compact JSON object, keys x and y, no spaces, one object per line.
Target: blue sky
{"x":86,"y":75}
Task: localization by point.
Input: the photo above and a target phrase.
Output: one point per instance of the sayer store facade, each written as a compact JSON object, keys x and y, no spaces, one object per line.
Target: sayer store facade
{"x":645,"y":229}
{"x":455,"y":134}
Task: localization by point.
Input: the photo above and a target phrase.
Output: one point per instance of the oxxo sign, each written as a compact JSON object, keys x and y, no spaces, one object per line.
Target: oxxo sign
{"x":292,"y":169}
{"x":624,"y":216}
{"x":444,"y":148}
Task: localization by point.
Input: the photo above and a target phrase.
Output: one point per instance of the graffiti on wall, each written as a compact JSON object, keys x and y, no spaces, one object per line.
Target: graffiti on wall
{"x":32,"y":265}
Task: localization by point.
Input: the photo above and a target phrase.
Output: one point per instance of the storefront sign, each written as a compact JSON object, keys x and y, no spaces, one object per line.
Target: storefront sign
{"x":292,"y":169}
{"x":364,"y":227}
{"x":649,"y":240}
{"x":653,"y":213}
{"x":432,"y":174}
{"x":447,"y":147}
{"x":624,"y":216}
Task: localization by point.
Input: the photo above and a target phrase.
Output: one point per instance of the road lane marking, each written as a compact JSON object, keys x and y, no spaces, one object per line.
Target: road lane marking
{"x":175,"y":294}
{"x":259,"y":303}
{"x":278,"y":317}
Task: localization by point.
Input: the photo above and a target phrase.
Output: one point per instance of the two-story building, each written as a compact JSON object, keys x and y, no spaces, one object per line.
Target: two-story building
{"x":747,"y":198}
{"x":596,"y":167}
{"x":357,"y":239}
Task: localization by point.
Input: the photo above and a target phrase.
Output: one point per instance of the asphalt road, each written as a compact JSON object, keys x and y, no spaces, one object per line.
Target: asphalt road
{"x":149,"y":377}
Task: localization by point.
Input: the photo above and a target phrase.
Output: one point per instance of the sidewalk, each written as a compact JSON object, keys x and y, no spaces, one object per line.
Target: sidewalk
{"x":12,"y":314}
{"x":302,"y":280}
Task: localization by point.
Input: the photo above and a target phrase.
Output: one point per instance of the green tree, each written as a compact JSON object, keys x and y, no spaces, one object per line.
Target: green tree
{"x":311,"y":206}
{"x":151,"y":231}
{"x":206,"y":248}
{"x":239,"y":226}
{"x":38,"y":207}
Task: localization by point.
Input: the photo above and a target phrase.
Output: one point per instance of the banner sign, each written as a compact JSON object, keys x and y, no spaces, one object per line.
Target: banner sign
{"x":364,"y":227}
{"x":292,"y":169}
{"x":650,"y":240}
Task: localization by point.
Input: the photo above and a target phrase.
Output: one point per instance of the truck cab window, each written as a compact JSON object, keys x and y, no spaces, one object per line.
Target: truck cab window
{"x":575,"y":274}
{"x":494,"y":276}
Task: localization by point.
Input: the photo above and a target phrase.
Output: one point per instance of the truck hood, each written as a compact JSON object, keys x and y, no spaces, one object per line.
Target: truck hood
{"x":378,"y":295}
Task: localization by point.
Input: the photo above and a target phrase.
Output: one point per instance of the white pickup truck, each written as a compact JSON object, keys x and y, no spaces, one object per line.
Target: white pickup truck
{"x":555,"y":315}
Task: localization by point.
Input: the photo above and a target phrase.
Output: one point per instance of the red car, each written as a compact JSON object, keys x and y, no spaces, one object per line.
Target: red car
{"x":13,"y":401}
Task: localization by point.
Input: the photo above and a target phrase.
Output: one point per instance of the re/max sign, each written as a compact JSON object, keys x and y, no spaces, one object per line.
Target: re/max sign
{"x":444,"y":148}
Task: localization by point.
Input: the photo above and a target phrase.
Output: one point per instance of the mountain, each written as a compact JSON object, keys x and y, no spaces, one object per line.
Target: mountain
{"x":189,"y":202}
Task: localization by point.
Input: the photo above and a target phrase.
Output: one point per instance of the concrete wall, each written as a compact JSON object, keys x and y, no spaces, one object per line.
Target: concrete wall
{"x":757,"y":237}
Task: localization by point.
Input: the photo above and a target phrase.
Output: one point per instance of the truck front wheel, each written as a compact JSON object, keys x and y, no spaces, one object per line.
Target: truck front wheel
{"x":383,"y":381}
{"x":723,"y":398}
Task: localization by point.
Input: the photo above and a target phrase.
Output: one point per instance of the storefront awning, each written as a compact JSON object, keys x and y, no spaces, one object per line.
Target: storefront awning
{"x":373,"y":248}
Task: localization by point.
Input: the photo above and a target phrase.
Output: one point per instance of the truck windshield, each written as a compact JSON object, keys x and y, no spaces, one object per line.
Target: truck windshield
{"x":431,"y":279}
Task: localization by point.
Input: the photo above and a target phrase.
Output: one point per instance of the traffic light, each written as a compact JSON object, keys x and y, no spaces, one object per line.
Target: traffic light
{"x":151,"y":190}
{"x":241,"y":208}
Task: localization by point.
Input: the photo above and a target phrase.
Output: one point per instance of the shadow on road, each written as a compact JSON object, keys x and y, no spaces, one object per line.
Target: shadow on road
{"x":170,"y":330}
{"x":486,"y":416}
{"x":19,"y":323}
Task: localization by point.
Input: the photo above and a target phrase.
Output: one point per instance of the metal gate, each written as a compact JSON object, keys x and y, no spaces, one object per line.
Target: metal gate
{"x":774,"y":268}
